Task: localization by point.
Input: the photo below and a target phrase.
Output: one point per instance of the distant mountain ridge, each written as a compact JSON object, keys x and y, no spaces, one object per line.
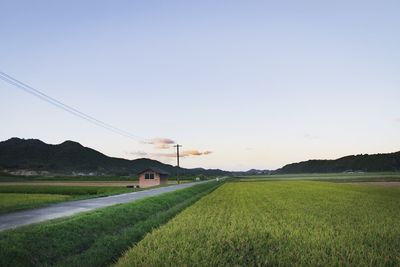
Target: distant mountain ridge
{"x":29,"y":156}
{"x":71,"y":157}
{"x":364,"y":162}
{"x":252,"y":172}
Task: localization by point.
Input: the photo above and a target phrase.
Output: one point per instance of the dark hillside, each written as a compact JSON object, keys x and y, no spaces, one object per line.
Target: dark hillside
{"x":71,"y":157}
{"x":366,"y":163}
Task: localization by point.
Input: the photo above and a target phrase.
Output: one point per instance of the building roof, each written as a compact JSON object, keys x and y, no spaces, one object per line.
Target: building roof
{"x":157,"y":170}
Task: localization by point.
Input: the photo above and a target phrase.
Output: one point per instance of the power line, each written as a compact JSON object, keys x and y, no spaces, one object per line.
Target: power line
{"x":35,"y":92}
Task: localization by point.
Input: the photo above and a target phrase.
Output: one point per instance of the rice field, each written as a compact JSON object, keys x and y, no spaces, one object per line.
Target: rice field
{"x":96,"y":238}
{"x":279,"y":223}
{"x":20,"y":197}
{"x":65,"y":190}
{"x":331,"y":177}
{"x":16,"y":201}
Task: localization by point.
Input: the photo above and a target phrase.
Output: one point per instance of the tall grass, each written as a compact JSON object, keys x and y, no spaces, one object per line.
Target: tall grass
{"x":96,"y":238}
{"x":20,"y":197}
{"x":12,"y":202}
{"x":279,"y":224}
{"x":339,"y":177}
{"x":64,"y":189}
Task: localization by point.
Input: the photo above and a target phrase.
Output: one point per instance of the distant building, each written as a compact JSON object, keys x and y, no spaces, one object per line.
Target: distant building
{"x":152,"y":177}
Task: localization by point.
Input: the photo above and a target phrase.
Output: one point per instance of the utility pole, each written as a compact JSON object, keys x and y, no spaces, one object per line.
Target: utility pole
{"x":177,"y":160}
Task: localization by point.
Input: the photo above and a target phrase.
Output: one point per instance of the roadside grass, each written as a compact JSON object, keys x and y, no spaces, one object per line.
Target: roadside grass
{"x":329,"y":177}
{"x":95,"y":238}
{"x":134,"y":179}
{"x":14,"y":178}
{"x":65,"y":190}
{"x":20,"y":197}
{"x":14,"y":201}
{"x":284,"y":223}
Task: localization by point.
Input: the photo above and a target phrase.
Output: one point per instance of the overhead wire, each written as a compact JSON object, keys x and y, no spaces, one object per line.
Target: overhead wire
{"x":39,"y":94}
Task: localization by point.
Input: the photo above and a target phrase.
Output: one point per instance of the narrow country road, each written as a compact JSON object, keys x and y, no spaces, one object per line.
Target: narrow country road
{"x":16,"y":219}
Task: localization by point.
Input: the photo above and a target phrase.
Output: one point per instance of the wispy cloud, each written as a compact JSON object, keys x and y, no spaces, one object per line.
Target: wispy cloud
{"x":397,"y":120}
{"x":194,"y":152}
{"x":310,"y":136}
{"x":160,"y":143}
{"x":138,"y":153}
{"x":166,"y":143}
{"x":184,"y":153}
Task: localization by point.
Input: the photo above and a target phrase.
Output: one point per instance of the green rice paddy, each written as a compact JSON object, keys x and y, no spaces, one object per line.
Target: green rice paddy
{"x":17,"y":201}
{"x":19,"y":197}
{"x":279,"y":223}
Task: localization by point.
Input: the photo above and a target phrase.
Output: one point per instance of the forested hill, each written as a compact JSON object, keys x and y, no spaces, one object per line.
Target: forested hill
{"x":71,"y":157}
{"x":365,"y":163}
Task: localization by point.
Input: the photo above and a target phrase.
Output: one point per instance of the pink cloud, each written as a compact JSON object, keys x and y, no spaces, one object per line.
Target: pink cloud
{"x":138,"y":153}
{"x":160,"y":143}
{"x":184,"y":153}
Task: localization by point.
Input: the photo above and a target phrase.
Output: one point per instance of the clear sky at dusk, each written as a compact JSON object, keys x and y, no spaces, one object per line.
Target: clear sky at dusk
{"x":258,"y":83}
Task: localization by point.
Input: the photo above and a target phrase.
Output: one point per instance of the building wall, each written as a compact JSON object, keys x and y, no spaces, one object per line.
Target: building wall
{"x":150,"y":182}
{"x":164,"y":180}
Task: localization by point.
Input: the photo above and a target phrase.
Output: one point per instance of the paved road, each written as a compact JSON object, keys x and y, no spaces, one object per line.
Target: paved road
{"x":15,"y":219}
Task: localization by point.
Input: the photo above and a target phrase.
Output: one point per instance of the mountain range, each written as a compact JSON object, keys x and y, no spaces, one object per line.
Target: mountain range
{"x":363,"y":162}
{"x":21,"y":156}
{"x":34,"y":157}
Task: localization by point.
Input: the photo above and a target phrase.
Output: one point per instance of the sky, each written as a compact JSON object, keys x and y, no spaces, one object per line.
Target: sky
{"x":240,"y":84}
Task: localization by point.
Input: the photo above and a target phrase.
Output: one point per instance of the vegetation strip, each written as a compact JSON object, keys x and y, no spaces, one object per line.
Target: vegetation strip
{"x":64,"y":190}
{"x":96,"y":238}
{"x":330,"y":177}
{"x":15,"y":201}
{"x":20,"y":197}
{"x":285,"y":223}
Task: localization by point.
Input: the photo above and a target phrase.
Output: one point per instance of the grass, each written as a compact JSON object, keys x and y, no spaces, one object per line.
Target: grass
{"x":65,"y":190}
{"x":13,"y":202}
{"x":95,"y":238}
{"x":19,"y":197}
{"x":14,"y":178}
{"x":331,"y":177}
{"x":4,"y":177}
{"x":281,"y":223}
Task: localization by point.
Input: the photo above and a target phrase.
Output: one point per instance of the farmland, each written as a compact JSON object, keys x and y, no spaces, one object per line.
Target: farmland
{"x":14,"y":201}
{"x":279,"y":223}
{"x":19,"y":197}
{"x":94,"y":238}
{"x":331,"y":177}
